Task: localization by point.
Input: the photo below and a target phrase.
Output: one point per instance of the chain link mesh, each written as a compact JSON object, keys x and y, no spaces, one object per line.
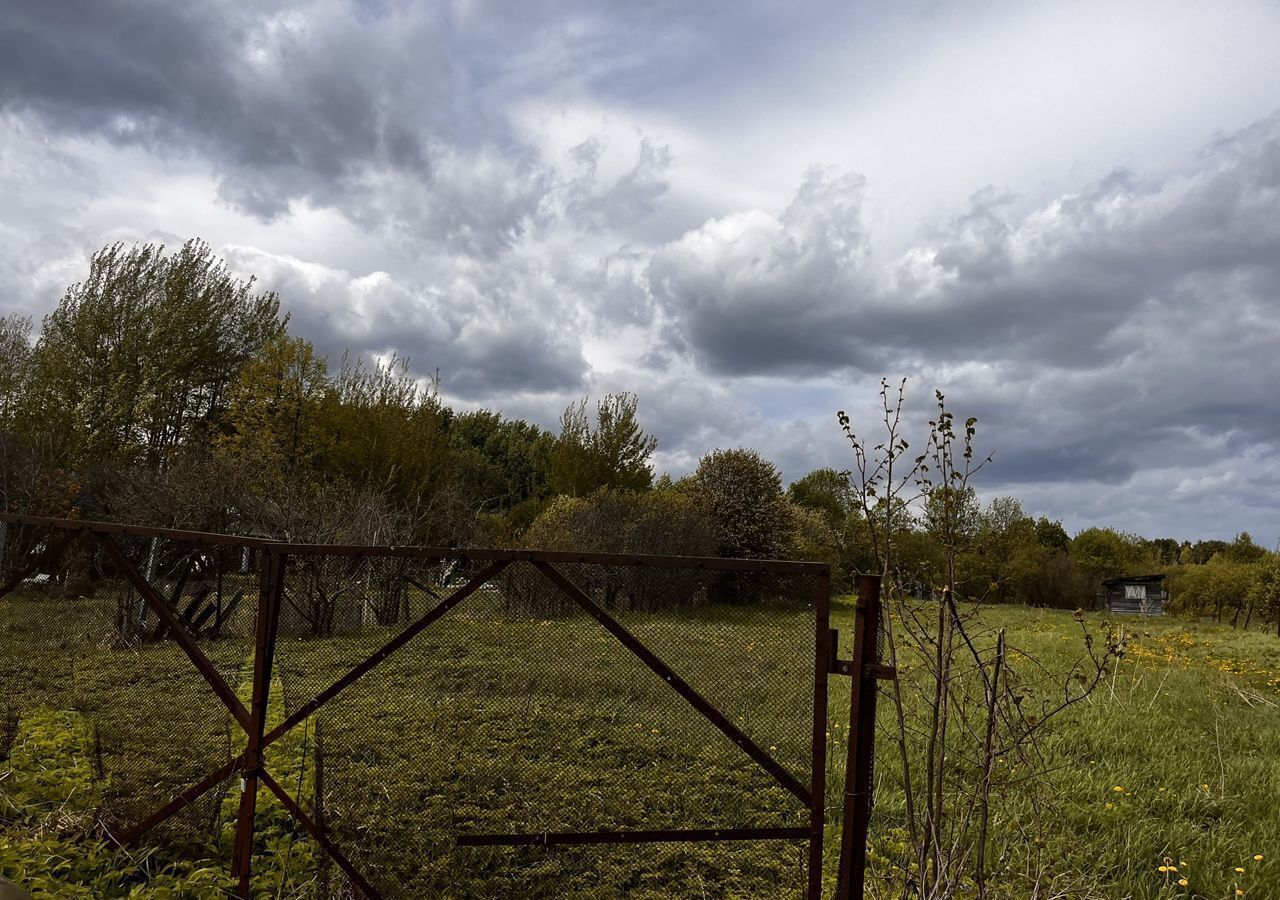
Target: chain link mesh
{"x":514,"y":713}
{"x":518,"y":713}
{"x":85,"y":664}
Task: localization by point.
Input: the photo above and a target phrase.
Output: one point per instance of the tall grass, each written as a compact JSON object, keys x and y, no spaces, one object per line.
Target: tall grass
{"x":497,"y":723}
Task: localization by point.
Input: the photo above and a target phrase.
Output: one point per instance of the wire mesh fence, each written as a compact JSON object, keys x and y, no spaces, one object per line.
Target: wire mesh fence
{"x":435,"y":723}
{"x":85,"y":661}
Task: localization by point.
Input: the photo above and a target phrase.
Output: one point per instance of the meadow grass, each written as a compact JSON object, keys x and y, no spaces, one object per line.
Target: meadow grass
{"x":495,"y":723}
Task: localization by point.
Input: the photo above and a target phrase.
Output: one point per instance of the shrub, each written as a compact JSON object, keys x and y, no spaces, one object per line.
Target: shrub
{"x":666,"y":523}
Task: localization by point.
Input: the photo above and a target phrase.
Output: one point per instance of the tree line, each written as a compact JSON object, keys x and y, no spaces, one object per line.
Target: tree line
{"x":164,"y":390}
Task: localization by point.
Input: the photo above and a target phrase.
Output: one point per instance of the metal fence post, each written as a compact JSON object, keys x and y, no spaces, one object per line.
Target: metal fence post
{"x":862,"y":718}
{"x":270,"y":592}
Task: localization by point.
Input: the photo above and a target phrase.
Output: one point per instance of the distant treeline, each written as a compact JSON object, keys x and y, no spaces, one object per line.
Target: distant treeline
{"x":164,"y":390}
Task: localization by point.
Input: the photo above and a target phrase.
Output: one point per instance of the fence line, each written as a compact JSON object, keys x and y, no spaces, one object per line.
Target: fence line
{"x":727,"y":637}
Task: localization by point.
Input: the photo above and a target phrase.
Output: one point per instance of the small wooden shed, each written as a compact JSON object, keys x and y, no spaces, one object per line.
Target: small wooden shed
{"x":1137,"y":595}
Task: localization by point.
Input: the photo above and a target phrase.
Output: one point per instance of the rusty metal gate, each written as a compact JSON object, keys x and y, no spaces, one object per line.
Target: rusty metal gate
{"x":436,"y":720}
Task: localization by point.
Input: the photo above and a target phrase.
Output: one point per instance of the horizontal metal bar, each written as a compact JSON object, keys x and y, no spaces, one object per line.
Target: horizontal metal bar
{"x":558,"y":838}
{"x":51,"y":558}
{"x":879,"y":671}
{"x":709,"y":563}
{"x":198,"y":537}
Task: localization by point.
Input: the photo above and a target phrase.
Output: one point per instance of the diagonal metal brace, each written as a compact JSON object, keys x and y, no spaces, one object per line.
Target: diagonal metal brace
{"x":303,"y":712}
{"x":318,"y":833}
{"x":176,"y":630}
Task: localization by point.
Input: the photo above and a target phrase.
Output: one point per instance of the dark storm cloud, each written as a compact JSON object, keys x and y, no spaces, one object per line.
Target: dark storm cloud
{"x":757,"y":294}
{"x":1056,"y":288}
{"x":465,"y":324}
{"x":1124,"y":332}
{"x":285,"y":103}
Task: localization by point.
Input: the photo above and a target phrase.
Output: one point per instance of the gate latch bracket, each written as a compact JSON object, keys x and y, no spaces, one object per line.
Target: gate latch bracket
{"x":837,"y":666}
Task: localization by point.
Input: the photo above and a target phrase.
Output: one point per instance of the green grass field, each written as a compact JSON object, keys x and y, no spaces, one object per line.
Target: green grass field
{"x":492,"y":723}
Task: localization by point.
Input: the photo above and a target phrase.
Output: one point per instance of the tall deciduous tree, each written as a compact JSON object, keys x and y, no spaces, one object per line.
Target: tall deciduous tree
{"x":830,"y":494}
{"x":15,"y":365}
{"x":389,"y":432}
{"x":274,"y":425}
{"x":826,"y":490}
{"x":1102,"y":553}
{"x":137,"y":360}
{"x":612,"y":453}
{"x":743,"y":493}
{"x":506,"y":459}
{"x":1264,"y":593}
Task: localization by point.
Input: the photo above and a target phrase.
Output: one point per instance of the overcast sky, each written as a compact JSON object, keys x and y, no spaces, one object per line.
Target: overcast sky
{"x":1066,"y":215}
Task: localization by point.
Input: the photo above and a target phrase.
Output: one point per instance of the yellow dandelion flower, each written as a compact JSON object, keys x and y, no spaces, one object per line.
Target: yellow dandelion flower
{"x":1257,"y":857}
{"x":1239,"y":892}
{"x":1162,"y":868}
{"x":1182,"y":882}
{"x":1118,"y":789}
{"x":1111,"y":806}
{"x":1240,"y":870}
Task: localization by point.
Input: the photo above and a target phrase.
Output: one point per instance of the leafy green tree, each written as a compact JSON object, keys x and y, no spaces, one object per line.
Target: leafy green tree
{"x":612,"y":453}
{"x":1102,"y":553}
{"x":390,"y":430}
{"x":15,"y":368}
{"x":1264,"y":592}
{"x":1244,"y":550}
{"x":952,"y":514}
{"x":1004,"y":554}
{"x":137,"y":361}
{"x":1051,"y":535}
{"x":742,"y":491}
{"x":506,"y":459}
{"x":1162,"y":551}
{"x":666,"y":522}
{"x":827,"y":491}
{"x":274,"y":426}
{"x":846,"y":538}
{"x":1212,"y":588}
{"x":811,"y":537}
{"x":1201,"y":552}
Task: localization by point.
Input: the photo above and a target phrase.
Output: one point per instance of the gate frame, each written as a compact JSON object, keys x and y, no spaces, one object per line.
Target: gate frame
{"x":865,"y":669}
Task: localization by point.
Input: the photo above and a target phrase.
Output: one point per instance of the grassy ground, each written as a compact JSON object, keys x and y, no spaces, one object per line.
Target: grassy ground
{"x":490,"y":723}
{"x":1174,"y":762}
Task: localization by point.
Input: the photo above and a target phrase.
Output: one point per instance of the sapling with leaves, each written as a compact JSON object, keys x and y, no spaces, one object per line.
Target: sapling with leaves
{"x":969,"y":709}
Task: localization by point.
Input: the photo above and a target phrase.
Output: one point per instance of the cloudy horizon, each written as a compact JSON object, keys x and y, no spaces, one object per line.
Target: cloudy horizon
{"x":1065,"y":216}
